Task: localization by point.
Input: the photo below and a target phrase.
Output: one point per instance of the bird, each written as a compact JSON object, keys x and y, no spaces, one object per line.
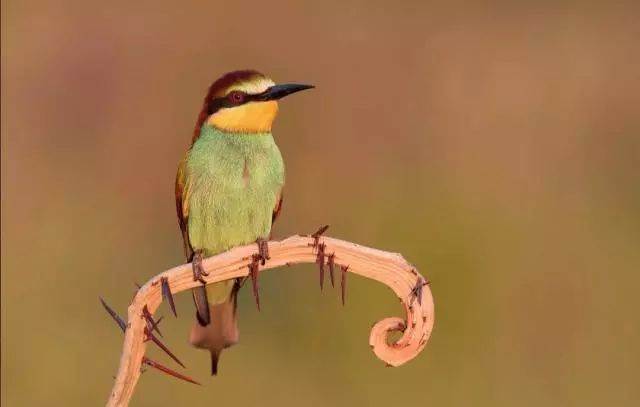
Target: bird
{"x":228,"y":193}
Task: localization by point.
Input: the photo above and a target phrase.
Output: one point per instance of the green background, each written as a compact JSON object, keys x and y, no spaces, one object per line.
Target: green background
{"x":494,"y":144}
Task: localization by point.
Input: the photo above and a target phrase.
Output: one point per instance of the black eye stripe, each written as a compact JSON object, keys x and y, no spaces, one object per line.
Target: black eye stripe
{"x":220,"y":103}
{"x":224,"y":102}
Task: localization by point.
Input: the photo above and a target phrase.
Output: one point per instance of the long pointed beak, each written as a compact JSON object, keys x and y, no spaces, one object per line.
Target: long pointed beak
{"x":279,"y":91}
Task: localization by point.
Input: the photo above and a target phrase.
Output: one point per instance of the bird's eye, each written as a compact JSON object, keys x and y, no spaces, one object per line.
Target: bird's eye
{"x":236,"y":97}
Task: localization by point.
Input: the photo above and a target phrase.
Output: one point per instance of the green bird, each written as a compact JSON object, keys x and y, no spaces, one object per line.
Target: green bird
{"x":229,"y":192}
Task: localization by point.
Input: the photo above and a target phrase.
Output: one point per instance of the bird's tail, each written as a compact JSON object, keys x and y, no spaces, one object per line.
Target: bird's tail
{"x":222,"y":331}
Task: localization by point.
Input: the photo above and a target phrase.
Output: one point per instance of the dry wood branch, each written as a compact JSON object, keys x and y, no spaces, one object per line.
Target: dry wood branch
{"x":390,"y":269}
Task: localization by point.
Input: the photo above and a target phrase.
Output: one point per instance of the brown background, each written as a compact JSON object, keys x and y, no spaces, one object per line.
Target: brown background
{"x":494,"y":144}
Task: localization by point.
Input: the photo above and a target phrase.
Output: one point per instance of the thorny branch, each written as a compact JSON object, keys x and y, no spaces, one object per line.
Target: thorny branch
{"x":390,"y":269}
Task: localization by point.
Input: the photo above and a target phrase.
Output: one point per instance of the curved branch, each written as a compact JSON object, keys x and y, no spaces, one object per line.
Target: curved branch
{"x":390,"y":269}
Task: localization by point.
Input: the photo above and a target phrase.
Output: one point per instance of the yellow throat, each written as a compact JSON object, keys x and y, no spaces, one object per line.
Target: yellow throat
{"x":253,"y":117}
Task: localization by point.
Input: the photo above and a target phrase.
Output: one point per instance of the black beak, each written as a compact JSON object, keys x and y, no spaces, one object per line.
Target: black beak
{"x":279,"y":91}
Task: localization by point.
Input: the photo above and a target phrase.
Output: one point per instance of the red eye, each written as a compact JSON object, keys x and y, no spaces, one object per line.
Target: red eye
{"x":236,"y":97}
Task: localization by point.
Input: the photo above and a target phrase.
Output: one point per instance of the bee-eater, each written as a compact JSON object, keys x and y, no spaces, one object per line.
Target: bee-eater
{"x":229,"y":192}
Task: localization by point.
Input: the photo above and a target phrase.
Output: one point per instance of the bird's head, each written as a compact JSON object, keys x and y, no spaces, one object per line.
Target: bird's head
{"x":243,"y":102}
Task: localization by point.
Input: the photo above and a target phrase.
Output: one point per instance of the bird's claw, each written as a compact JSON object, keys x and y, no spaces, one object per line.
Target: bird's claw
{"x":198,"y":270}
{"x":263,"y":250}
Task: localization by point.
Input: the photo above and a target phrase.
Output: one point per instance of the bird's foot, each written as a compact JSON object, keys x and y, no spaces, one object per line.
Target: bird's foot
{"x":198,"y":270}
{"x":254,"y":270}
{"x":263,"y":250}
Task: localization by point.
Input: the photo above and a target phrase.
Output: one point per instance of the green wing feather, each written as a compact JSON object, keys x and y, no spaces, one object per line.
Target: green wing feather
{"x":182,"y":205}
{"x":183,"y":188}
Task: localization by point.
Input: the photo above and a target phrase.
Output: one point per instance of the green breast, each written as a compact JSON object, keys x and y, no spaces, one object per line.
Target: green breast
{"x":234,"y":180}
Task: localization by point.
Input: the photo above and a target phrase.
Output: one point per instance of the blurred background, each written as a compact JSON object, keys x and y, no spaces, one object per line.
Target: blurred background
{"x":496,"y":145}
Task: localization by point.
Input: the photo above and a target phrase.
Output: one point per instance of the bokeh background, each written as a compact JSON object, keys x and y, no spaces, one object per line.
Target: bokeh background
{"x":495,"y":144}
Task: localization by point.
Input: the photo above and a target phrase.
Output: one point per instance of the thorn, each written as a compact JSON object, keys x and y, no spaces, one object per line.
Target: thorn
{"x":320,"y":231}
{"x":320,"y":263}
{"x":253,"y":272}
{"x":316,"y":235}
{"x":136,"y":291}
{"x":416,"y":291}
{"x":331,"y":263}
{"x":343,"y":282}
{"x":116,"y":317}
{"x":155,"y":340}
{"x":154,"y":364}
{"x":166,"y":294}
{"x":153,"y":325}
